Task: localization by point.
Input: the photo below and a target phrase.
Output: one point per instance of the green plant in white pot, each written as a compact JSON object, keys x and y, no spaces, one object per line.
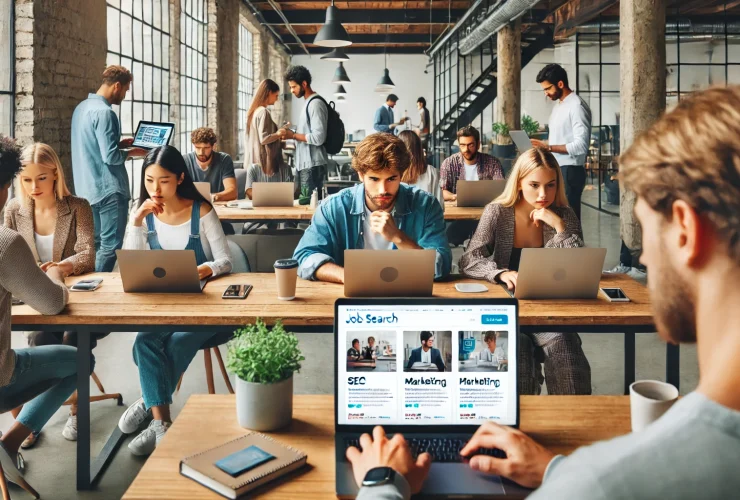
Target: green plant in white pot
{"x":264,"y":361}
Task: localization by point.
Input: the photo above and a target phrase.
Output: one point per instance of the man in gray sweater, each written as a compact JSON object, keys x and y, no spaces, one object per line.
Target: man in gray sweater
{"x":686,"y":173}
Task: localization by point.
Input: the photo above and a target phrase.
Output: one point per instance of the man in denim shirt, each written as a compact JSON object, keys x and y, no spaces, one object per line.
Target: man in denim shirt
{"x":379,"y":214}
{"x":98,"y":163}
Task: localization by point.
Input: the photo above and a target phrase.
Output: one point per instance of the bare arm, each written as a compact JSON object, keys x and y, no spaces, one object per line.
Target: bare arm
{"x":331,"y":273}
{"x":229,"y":192}
{"x":448,"y":195}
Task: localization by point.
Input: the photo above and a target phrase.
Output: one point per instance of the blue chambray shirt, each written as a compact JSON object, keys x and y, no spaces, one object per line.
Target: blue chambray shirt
{"x":97,"y":161}
{"x":338,"y":224}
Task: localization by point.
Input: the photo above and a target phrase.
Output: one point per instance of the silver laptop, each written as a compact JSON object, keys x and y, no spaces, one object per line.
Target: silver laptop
{"x":272,"y":194}
{"x":204,"y":188}
{"x":389,"y":273}
{"x":159,"y":271}
{"x":521,"y":140}
{"x":559,"y":273}
{"x":437,"y":411}
{"x":478,"y":193}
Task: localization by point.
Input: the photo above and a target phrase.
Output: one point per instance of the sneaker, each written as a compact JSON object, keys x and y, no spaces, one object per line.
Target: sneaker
{"x":620,"y":269}
{"x":30,"y":441}
{"x":132,"y":418}
{"x":10,"y":466}
{"x":70,"y":428}
{"x":144,"y":443}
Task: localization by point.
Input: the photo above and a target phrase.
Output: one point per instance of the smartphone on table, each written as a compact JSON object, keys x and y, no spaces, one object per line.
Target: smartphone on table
{"x":237,"y":292}
{"x":615,"y":295}
{"x":87,"y":285}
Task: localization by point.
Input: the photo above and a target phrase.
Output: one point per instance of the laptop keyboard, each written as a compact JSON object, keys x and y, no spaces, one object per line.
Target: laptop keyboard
{"x":442,"y":449}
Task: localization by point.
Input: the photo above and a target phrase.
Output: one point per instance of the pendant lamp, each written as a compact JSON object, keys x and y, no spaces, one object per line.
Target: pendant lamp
{"x":339,"y":91}
{"x":385,"y":83}
{"x":340,"y":75}
{"x":335,"y":55}
{"x":341,"y":98}
{"x":332,"y":33}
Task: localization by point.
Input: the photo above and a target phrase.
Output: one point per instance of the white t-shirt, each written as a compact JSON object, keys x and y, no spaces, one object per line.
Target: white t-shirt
{"x":471,"y":172}
{"x":373,"y":240}
{"x":44,"y":247}
{"x":426,"y":357}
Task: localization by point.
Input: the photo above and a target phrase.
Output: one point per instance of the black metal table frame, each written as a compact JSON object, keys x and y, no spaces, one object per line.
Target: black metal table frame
{"x":89,"y":471}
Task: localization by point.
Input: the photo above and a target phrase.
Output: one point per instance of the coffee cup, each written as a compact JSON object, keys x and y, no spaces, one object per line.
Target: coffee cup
{"x":286,"y":273}
{"x":649,"y":400}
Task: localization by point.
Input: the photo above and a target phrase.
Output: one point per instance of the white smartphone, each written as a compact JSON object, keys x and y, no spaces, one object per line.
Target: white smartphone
{"x":615,"y":295}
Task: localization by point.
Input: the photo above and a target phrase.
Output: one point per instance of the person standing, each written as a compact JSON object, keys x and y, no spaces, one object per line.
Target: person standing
{"x":570,"y":132}
{"x":98,"y":163}
{"x":383,"y":121}
{"x":310,"y":154}
{"x":424,"y":123}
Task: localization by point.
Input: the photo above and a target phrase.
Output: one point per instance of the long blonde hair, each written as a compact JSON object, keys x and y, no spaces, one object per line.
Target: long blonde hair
{"x":44,"y":156}
{"x":527,"y":163}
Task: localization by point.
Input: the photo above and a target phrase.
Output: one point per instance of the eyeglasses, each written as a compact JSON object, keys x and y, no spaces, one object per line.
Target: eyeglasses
{"x":547,"y":89}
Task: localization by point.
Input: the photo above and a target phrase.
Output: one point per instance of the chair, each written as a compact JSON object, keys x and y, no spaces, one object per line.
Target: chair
{"x":241,"y":183}
{"x":266,"y":246}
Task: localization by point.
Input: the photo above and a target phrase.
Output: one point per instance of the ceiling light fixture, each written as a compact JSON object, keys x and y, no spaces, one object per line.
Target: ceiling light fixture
{"x":332,"y":33}
{"x":335,"y":55}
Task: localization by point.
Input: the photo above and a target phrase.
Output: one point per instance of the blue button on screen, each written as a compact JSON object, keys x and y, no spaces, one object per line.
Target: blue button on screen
{"x":495,"y":319}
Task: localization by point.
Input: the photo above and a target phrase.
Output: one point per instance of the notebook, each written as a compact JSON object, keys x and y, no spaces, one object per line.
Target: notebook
{"x":241,"y":465}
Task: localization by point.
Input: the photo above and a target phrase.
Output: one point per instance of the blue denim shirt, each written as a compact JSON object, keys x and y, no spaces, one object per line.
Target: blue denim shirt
{"x":97,"y":161}
{"x":338,"y":226}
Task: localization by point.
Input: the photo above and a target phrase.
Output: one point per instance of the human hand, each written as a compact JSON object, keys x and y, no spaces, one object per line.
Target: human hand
{"x":525,"y":462}
{"x":137,"y":153}
{"x":548,"y":217}
{"x":204,"y":271}
{"x":126,"y":143}
{"x":149,"y":206}
{"x":379,"y":451}
{"x":65,"y":267}
{"x":509,"y":279}
{"x":536,"y":143}
{"x":382,"y":223}
{"x":55,"y":273}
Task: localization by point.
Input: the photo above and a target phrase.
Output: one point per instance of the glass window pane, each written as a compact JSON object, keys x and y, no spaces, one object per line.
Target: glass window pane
{"x":147,"y":41}
{"x":114,"y":32}
{"x":148,"y":83}
{"x":126,"y":33}
{"x":138,"y":40}
{"x":6,"y":109}
{"x":148,"y":11}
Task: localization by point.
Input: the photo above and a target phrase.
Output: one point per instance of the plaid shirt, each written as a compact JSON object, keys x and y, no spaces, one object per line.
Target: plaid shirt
{"x":453,"y":169}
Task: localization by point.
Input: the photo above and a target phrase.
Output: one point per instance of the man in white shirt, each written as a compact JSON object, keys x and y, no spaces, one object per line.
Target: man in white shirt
{"x":570,"y":132}
{"x":491,"y":353}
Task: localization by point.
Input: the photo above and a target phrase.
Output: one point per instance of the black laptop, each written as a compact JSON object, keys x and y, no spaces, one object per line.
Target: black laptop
{"x":436,"y":387}
{"x":150,"y":135}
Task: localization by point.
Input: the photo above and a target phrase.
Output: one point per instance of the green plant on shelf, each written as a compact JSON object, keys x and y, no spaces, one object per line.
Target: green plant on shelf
{"x":530,"y":125}
{"x":501,"y":131}
{"x":305,"y":196}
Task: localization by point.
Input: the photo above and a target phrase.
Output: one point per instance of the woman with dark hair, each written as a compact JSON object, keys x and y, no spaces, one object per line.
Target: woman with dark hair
{"x":171,"y":215}
{"x":419,"y":174}
{"x":264,"y":147}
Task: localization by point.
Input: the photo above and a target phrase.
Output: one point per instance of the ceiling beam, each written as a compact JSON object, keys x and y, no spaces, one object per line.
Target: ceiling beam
{"x":372,"y":49}
{"x":362,"y":4}
{"x":408,"y":29}
{"x":371,"y":38}
{"x":577,"y":12}
{"x":298,"y":17}
{"x":287,"y":25}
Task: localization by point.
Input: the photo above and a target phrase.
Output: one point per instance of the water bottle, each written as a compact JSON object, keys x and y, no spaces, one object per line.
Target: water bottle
{"x":314,"y":198}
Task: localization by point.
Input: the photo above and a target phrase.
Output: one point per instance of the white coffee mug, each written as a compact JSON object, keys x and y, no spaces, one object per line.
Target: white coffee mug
{"x":649,"y":400}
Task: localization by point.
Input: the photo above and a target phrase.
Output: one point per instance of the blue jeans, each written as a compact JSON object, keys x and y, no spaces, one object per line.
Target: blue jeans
{"x":162,"y":358}
{"x":110,"y":218}
{"x":32,"y":368}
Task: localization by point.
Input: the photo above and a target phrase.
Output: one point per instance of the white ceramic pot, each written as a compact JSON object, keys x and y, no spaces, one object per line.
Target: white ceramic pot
{"x":264,"y":407}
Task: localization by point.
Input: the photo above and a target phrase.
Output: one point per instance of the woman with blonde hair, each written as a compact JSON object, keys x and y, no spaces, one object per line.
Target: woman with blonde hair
{"x":532,"y":212}
{"x":58,"y":228}
{"x":264,"y":148}
{"x":419,"y":174}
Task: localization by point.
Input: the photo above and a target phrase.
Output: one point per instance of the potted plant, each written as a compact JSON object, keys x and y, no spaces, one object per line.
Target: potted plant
{"x":264,"y":361}
{"x":305,"y":196}
{"x":502,"y":147}
{"x":529,"y":125}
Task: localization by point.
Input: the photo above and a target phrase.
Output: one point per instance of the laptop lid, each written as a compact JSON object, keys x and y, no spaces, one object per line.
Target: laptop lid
{"x":521,"y":139}
{"x":473,"y":350}
{"x":389,"y":273}
{"x":559,"y":273}
{"x":150,"y":135}
{"x":272,"y":194}
{"x":159,"y":271}
{"x":478,"y":193}
{"x":204,"y":188}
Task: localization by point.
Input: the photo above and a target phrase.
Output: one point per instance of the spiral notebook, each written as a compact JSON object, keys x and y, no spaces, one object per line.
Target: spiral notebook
{"x":254,"y":460}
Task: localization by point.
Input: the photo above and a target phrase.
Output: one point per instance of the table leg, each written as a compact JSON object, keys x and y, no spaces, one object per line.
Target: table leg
{"x":83,"y":409}
{"x":672,"y":368}
{"x":629,"y":360}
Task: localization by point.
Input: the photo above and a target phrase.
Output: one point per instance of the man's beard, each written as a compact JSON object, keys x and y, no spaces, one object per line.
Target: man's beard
{"x":557,"y":95}
{"x":302,"y":92}
{"x":470,"y":156}
{"x":673,"y":304}
{"x":206,"y":159}
{"x":381,"y":204}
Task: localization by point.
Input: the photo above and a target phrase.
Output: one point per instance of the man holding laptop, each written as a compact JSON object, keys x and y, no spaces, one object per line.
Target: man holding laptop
{"x":379,"y":214}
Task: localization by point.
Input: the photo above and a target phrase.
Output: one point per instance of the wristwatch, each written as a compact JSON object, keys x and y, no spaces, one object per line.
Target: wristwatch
{"x":379,"y":476}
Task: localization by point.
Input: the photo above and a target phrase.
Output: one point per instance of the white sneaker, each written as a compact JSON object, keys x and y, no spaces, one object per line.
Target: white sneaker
{"x":144,"y":443}
{"x":132,"y":418}
{"x":70,"y":428}
{"x":620,"y":269}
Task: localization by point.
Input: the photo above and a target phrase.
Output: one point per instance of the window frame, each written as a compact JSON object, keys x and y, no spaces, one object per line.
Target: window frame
{"x":11,"y":89}
{"x":189,"y":81}
{"x":245,"y":87}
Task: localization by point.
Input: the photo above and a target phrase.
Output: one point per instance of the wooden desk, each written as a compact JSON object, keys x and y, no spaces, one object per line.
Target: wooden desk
{"x":562,"y":423}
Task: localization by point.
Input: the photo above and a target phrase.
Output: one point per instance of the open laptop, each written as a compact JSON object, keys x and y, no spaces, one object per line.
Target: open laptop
{"x":521,"y":140}
{"x":389,"y":273}
{"x":272,"y":194}
{"x":204,"y":188}
{"x":439,"y":410}
{"x":559,"y":273}
{"x":150,"y":135}
{"x":478,"y":193}
{"x":159,"y":271}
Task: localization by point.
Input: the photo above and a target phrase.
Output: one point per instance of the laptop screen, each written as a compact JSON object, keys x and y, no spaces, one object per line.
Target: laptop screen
{"x":150,"y":135}
{"x":426,"y":362}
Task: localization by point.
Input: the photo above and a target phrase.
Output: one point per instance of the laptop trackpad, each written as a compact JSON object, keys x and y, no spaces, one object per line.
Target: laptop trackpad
{"x":460,"y":479}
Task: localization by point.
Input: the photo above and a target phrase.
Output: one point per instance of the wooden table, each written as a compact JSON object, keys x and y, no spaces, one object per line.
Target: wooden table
{"x":561,"y":423}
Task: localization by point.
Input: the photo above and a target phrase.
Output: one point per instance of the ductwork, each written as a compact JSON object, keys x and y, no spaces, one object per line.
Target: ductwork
{"x":679,"y":26}
{"x":506,"y":13}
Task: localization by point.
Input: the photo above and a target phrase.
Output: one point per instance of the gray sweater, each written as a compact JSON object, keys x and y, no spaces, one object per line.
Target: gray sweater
{"x":22,"y":278}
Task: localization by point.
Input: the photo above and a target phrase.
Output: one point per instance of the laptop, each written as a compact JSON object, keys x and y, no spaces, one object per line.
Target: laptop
{"x":150,"y":135}
{"x":272,"y":194}
{"x":521,"y":140}
{"x":159,"y":271}
{"x":389,"y":273}
{"x":478,"y":193}
{"x":433,"y":409}
{"x":204,"y":188}
{"x":559,"y":273}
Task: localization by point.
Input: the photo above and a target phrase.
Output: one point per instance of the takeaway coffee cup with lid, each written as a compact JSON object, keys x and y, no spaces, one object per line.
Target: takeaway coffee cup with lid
{"x":286,"y":273}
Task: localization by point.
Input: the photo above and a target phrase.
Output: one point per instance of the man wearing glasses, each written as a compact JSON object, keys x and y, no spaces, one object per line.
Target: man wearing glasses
{"x":570,"y":131}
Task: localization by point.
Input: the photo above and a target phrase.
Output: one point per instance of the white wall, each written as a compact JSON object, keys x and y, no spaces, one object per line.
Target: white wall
{"x":357,"y":112}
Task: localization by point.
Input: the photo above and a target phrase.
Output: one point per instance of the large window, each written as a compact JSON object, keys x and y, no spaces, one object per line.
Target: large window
{"x":7,"y":67}
{"x":139,"y":39}
{"x":246,"y":85}
{"x":193,"y":68}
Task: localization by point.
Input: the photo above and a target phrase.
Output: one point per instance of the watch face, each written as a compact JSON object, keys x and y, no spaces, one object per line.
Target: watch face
{"x":377,"y":475}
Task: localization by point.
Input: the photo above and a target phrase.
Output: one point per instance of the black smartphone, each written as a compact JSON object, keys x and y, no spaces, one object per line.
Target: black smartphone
{"x":237,"y":292}
{"x":615,"y":295}
{"x":86,"y":285}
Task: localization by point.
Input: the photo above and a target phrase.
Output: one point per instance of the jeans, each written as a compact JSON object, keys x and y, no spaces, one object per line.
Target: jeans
{"x":110,"y":218}
{"x":33,"y":367}
{"x":574,"y":178}
{"x":162,"y":358}
{"x":313,"y":178}
{"x":460,"y":230}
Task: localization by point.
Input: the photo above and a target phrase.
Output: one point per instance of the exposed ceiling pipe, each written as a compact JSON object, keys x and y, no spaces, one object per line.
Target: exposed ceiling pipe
{"x":506,"y":13}
{"x":442,"y":39}
{"x":672,"y":26}
{"x":262,"y":22}
{"x":279,"y":12}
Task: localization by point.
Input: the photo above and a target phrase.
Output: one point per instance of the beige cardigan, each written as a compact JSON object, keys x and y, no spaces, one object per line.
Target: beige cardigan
{"x":261,"y":140}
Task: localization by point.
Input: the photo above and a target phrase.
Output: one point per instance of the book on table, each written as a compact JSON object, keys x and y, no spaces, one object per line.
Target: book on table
{"x":243,"y":464}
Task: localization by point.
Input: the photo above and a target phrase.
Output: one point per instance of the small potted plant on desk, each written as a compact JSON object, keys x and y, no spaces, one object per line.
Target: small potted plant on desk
{"x":264,"y":361}
{"x":502,"y":147}
{"x":305,"y":196}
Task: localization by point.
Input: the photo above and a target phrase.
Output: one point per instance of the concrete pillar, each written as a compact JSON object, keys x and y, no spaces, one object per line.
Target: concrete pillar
{"x":175,"y":72}
{"x":509,"y":77}
{"x":642,"y":88}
